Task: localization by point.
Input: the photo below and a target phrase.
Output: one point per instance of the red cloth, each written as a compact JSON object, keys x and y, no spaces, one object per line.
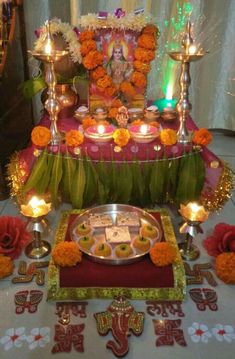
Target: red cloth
{"x":142,"y":274}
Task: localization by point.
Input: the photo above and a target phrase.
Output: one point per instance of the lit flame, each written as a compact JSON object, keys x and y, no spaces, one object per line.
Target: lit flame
{"x":35,"y":208}
{"x":194,"y":212}
{"x":48,"y":47}
{"x":144,"y":129}
{"x":100,"y":129}
{"x":192,"y":50}
{"x":169,"y":92}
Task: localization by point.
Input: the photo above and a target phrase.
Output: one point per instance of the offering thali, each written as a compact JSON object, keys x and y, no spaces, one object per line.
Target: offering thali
{"x":115,"y":234}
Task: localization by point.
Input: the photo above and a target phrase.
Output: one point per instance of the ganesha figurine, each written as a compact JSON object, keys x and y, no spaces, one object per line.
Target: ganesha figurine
{"x":122,"y":116}
{"x":121,"y":318}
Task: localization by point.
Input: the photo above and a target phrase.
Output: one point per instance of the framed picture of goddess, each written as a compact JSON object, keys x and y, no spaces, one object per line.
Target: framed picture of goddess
{"x":118,"y":48}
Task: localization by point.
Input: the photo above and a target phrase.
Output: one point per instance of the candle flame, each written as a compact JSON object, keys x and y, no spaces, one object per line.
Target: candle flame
{"x":35,"y":208}
{"x":48,"y":47}
{"x":192,"y":50}
{"x":100,"y":129}
{"x":194,"y":212}
{"x":144,"y":129}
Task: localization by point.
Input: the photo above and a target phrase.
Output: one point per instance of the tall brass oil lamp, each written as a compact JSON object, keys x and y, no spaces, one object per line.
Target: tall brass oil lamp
{"x":49,"y":56}
{"x":189,"y":53}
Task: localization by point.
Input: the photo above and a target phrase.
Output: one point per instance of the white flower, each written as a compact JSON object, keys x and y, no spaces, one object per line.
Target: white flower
{"x":199,"y":332}
{"x":38,"y":337}
{"x":223,"y":332}
{"x":13,"y":337}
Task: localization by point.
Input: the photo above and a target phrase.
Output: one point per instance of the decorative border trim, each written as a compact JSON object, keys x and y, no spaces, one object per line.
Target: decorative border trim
{"x":169,"y":294}
{"x":223,"y":191}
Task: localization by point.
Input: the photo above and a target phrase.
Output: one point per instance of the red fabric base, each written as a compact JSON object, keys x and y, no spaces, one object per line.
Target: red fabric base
{"x":143,"y":274}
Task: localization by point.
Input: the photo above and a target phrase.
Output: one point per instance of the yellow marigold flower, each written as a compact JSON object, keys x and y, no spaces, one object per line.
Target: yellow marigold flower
{"x":121,"y":137}
{"x":6,"y":266}
{"x":163,"y":254}
{"x":168,"y":137}
{"x":74,"y":138}
{"x":66,"y":254}
{"x":41,"y":136}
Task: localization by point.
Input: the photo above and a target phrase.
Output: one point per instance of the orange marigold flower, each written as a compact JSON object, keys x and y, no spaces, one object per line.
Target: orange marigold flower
{"x":66,"y":254}
{"x":142,"y":67}
{"x":144,"y":55}
{"x":41,"y":136}
{"x":87,"y":46}
{"x":98,"y":73}
{"x":110,"y":91}
{"x":150,"y":29}
{"x":225,"y":267}
{"x":117,"y":103}
{"x":113,"y":112}
{"x":137,"y":122}
{"x":88,"y":122}
{"x":154,"y":123}
{"x":92,"y":60}
{"x":127,"y":88}
{"x":168,"y":137}
{"x":104,"y":81}
{"x":147,"y":41}
{"x":6,"y":266}
{"x":163,"y":254}
{"x":86,"y":35}
{"x":138,"y":79}
{"x":74,"y":138}
{"x":202,"y":137}
{"x":121,"y":137}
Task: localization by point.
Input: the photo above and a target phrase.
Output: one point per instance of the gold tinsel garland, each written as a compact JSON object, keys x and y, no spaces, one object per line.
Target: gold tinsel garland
{"x":223,"y":191}
{"x":15,"y":177}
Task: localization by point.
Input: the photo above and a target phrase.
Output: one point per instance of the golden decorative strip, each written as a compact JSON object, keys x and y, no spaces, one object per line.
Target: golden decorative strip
{"x":169,"y":294}
{"x":223,"y":191}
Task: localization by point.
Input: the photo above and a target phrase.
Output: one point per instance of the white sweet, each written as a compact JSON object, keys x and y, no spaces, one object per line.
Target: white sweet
{"x":135,"y":109}
{"x":117,"y":234}
{"x":128,"y":219}
{"x":100,"y":220}
{"x":82,"y":109}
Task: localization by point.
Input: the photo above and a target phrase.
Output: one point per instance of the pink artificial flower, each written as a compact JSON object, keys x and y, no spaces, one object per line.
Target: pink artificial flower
{"x":222,"y":240}
{"x":13,"y":236}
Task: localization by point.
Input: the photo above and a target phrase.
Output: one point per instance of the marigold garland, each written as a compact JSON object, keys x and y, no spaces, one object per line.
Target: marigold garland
{"x":138,"y":79}
{"x":163,"y":254}
{"x":74,"y":138}
{"x":92,"y":59}
{"x":225,"y":267}
{"x":87,"y":46}
{"x":6,"y":266}
{"x":117,"y":103}
{"x":121,"y":137}
{"x":66,"y":254}
{"x":168,"y":137}
{"x":147,"y":41}
{"x":127,"y":88}
{"x":143,"y":54}
{"x":98,"y":72}
{"x":202,"y":137}
{"x":143,"y":67}
{"x":86,"y":35}
{"x":41,"y":136}
{"x":113,"y":111}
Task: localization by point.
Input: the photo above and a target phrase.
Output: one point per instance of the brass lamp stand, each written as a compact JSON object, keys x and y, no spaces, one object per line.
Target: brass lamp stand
{"x":188,"y":54}
{"x":49,"y":56}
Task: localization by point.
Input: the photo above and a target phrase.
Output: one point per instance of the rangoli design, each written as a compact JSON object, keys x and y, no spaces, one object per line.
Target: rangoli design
{"x":27,"y":274}
{"x":204,"y":297}
{"x":22,"y":302}
{"x":199,"y":333}
{"x":198,"y":273}
{"x":65,"y":309}
{"x":168,"y":332}
{"x":121,"y":318}
{"x":164,"y":308}
{"x":68,"y":337}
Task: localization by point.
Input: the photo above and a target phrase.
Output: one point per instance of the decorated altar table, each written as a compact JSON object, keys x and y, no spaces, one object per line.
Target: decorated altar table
{"x":141,"y":174}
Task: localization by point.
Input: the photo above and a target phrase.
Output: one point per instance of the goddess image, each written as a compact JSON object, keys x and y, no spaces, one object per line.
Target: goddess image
{"x":117,"y":66}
